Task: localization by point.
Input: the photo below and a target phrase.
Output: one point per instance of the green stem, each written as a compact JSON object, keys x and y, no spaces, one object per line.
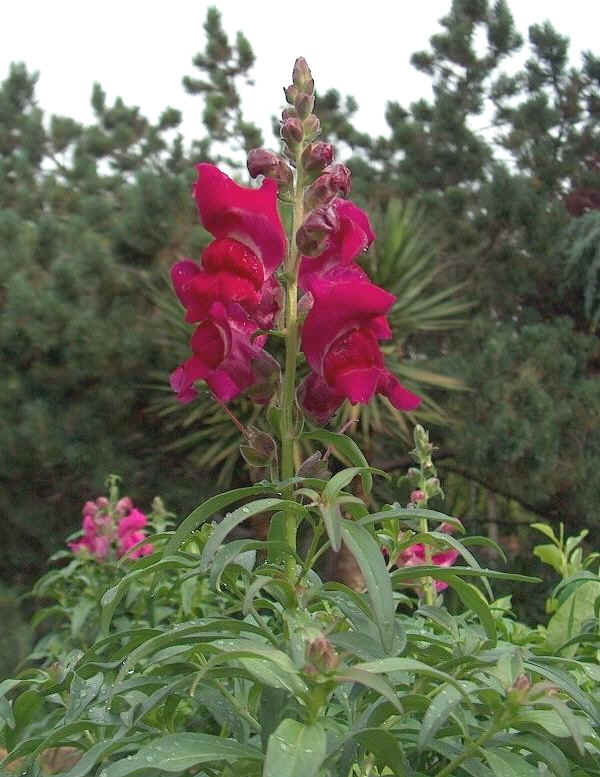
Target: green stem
{"x":428,"y":582}
{"x":449,"y":769}
{"x":288,"y":394}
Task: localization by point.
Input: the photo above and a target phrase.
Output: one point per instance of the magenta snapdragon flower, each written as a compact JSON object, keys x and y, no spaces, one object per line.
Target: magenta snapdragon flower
{"x":117,"y":531}
{"x":340,"y":341}
{"x":130,"y":532}
{"x":233,"y":292}
{"x":224,"y":355}
{"x":415,"y":556}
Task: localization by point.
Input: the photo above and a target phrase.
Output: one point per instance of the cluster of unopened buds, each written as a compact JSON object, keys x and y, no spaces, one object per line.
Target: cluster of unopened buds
{"x":112,"y":531}
{"x":233,"y":295}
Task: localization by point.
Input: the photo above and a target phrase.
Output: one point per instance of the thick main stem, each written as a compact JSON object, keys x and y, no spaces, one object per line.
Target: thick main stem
{"x":288,"y":394}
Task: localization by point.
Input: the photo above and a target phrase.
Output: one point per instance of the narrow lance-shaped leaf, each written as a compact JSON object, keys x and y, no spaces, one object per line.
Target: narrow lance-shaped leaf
{"x":369,"y":558}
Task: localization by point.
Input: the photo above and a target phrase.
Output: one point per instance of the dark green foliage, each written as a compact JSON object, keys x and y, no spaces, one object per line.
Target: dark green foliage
{"x":534,"y":401}
{"x":89,"y":215}
{"x":223,"y":65}
{"x":493,"y":159}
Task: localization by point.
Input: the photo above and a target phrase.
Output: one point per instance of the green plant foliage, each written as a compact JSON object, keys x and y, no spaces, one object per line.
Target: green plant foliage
{"x":271,"y":679}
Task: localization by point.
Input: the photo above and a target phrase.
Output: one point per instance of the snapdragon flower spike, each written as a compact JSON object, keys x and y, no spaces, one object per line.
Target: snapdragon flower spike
{"x":250,"y":216}
{"x":224,"y":355}
{"x":340,"y":341}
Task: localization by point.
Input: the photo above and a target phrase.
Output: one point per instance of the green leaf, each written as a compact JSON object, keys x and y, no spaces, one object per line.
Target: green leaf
{"x":551,"y":555}
{"x":505,"y":763}
{"x":228,"y":553}
{"x":565,"y":683}
{"x":386,"y":665}
{"x":346,"y":447}
{"x":91,"y":757}
{"x":239,"y":516}
{"x":384,"y":746}
{"x":82,"y":692}
{"x":332,"y":519}
{"x":568,"y":620}
{"x":178,"y":752}
{"x":437,"y":713}
{"x":545,"y":529}
{"x":369,"y":558}
{"x":403,"y":513}
{"x":358,"y":674}
{"x":207,"y":509}
{"x":541,"y":747}
{"x":440,"y":616}
{"x":472,"y":598}
{"x":445,"y":573}
{"x":272,"y":708}
{"x":277,"y":537}
{"x":343,"y":478}
{"x":295,"y":750}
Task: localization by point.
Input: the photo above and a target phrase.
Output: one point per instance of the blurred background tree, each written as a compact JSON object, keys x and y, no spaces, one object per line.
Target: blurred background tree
{"x":89,"y":216}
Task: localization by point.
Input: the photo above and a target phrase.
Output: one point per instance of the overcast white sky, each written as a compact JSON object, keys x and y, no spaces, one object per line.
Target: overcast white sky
{"x":140,"y":49}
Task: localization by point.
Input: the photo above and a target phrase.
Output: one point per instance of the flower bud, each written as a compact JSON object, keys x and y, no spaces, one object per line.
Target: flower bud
{"x":292,"y":132}
{"x":312,"y":235}
{"x":305,"y":304}
{"x":263,"y":162}
{"x":304,"y":105}
{"x":124,"y":506}
{"x":302,"y":77}
{"x":90,"y":508}
{"x":418,"y":496}
{"x":312,"y":127}
{"x":291,"y":93}
{"x":317,"y":156}
{"x":334,"y":182}
{"x":102,"y":502}
{"x":322,"y":655}
{"x":289,"y":113}
{"x":260,"y":449}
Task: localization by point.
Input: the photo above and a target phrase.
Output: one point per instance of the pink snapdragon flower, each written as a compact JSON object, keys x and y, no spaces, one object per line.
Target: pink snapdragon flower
{"x":224,"y":355}
{"x":414,"y":556}
{"x":250,"y":216}
{"x":93,"y":541}
{"x":349,"y":233}
{"x":234,"y":291}
{"x":116,"y":531}
{"x":130,"y":532}
{"x":340,"y":341}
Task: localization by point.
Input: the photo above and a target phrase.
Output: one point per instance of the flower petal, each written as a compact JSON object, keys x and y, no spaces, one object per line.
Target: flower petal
{"x":228,"y":210}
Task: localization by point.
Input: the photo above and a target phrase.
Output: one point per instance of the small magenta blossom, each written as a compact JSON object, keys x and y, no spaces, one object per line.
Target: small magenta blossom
{"x":106,"y":531}
{"x":414,"y":556}
{"x":130,"y":532}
